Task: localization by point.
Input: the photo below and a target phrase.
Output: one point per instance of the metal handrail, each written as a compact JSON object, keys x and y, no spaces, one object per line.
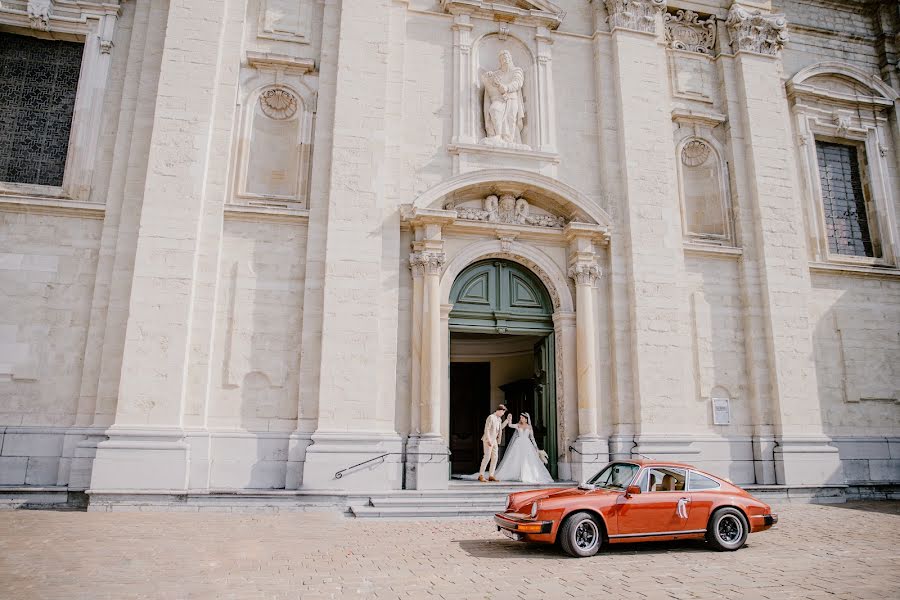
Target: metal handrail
{"x":575,"y":450}
{"x":340,"y":473}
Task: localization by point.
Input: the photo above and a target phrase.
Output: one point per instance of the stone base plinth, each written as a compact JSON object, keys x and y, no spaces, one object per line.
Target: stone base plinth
{"x":353,"y":461}
{"x":589,"y":455}
{"x":427,"y":464}
{"x":810,"y":461}
{"x":141,"y":459}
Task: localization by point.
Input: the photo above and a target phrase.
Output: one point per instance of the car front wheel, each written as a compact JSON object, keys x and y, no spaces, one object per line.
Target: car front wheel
{"x":580,"y":536}
{"x":727,"y":529}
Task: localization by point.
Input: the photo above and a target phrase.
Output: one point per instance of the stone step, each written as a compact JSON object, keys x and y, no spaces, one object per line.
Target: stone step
{"x":493,"y":501}
{"x":369,"y":512}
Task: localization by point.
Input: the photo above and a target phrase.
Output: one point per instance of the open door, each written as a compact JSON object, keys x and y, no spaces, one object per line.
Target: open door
{"x":544,"y":418}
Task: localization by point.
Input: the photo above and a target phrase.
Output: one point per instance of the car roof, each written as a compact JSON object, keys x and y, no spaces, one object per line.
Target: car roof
{"x":656,"y":463}
{"x":665,"y":463}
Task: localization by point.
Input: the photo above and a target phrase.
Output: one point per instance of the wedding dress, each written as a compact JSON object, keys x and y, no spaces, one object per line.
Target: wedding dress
{"x":521,"y":461}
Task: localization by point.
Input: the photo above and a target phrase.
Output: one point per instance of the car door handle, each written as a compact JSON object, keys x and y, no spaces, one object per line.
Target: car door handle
{"x":682,"y":508}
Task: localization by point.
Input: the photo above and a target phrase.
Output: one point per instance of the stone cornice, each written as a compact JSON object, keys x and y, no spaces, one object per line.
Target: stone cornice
{"x":541,"y":13}
{"x":291,"y":64}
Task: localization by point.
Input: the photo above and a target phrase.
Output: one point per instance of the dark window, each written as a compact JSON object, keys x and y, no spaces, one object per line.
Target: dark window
{"x":38,"y":80}
{"x":696,"y":481}
{"x":846,"y":215}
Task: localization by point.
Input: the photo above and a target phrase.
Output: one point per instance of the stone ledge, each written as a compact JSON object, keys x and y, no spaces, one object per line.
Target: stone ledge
{"x":712,"y":250}
{"x":52,"y":206}
{"x":278,"y":214}
{"x":855,"y":270}
{"x":536,"y":155}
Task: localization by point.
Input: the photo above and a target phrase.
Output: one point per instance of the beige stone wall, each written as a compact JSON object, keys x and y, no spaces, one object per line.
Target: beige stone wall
{"x":255,"y":385}
{"x":47,"y":269}
{"x":856,"y":327}
{"x":183,"y":294}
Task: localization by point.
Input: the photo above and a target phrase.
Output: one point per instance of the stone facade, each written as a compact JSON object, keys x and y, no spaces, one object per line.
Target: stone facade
{"x":243,"y":281}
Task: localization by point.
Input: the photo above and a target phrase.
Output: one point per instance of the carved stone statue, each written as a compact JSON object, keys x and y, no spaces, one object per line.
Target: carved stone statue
{"x":504,"y":111}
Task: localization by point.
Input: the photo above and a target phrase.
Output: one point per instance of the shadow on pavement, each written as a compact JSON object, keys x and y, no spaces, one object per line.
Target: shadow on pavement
{"x":887,"y":507}
{"x":504,"y":549}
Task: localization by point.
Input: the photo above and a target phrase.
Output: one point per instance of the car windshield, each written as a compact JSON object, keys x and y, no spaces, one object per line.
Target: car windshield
{"x":615,"y":476}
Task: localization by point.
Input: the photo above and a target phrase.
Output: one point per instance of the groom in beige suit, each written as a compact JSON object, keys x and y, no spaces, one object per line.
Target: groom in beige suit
{"x":493,"y":432}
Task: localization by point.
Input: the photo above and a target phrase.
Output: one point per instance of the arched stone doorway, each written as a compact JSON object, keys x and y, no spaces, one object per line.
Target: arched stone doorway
{"x":553,"y":234}
{"x":501,"y":350}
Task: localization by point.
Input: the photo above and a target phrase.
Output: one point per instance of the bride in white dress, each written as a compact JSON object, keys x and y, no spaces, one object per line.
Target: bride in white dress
{"x":521,"y":461}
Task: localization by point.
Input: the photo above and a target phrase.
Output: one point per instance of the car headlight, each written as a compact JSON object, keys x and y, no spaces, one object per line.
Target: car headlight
{"x":534,"y":510}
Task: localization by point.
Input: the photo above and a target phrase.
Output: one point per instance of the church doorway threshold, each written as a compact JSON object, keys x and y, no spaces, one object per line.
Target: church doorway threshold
{"x":491,"y":369}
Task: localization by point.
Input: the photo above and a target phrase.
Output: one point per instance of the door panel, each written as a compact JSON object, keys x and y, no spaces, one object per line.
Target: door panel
{"x":544,"y":416}
{"x":653,"y":512}
{"x":470,"y":404}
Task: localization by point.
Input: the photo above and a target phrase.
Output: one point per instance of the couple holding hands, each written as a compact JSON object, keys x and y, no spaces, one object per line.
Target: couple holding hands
{"x":523,"y":461}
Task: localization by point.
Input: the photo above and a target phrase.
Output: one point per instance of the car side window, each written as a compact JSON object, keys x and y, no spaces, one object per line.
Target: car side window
{"x":665,"y":479}
{"x":698,"y":482}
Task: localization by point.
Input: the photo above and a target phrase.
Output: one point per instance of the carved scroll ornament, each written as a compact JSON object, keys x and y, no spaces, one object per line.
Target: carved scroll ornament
{"x":686,"y":31}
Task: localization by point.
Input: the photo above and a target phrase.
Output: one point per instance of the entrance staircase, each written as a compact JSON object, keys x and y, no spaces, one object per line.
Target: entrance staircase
{"x":461,"y":499}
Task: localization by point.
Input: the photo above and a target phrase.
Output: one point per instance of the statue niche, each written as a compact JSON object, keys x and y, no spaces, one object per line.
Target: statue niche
{"x":504,"y":107}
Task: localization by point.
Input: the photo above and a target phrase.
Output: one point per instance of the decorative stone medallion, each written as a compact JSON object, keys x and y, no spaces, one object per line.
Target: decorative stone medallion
{"x":278,"y":104}
{"x":694,"y":153}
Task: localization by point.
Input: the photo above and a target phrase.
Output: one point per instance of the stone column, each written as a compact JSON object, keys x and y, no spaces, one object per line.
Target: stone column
{"x":545,"y":85}
{"x":146,"y":448}
{"x":426,"y":461}
{"x":355,"y":414}
{"x":418,"y":299}
{"x":590,"y":449}
{"x":652,"y":239}
{"x":802,"y":453}
{"x":463,"y":125}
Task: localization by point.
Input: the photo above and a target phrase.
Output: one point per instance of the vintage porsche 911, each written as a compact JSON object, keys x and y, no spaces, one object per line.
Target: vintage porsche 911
{"x":636,"y":501}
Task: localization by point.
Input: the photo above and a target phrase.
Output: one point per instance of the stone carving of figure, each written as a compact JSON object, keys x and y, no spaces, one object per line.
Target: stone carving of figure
{"x":504,"y":111}
{"x":522,"y":211}
{"x":507,"y":208}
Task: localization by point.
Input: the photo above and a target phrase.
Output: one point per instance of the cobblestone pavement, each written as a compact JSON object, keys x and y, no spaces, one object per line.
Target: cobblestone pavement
{"x":816,"y":552}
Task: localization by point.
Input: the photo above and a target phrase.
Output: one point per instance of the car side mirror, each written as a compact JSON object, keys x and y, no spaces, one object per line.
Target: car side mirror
{"x":631,"y":490}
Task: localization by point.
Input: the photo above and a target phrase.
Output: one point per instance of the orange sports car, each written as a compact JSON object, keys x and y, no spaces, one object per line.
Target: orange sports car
{"x":636,"y":501}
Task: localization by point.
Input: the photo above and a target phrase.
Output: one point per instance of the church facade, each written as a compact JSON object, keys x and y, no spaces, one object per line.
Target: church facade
{"x":311,"y":244}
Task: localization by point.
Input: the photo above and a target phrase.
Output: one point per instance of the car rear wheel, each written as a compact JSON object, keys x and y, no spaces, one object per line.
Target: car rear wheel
{"x":580,"y":535}
{"x":727,"y":529}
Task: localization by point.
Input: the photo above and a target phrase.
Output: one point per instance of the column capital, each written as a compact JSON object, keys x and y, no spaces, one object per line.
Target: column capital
{"x":636,"y":15}
{"x":426,"y":262}
{"x":584,"y":273}
{"x":756,"y":31}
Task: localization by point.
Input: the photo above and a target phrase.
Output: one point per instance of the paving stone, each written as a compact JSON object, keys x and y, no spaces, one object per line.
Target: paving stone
{"x":815,"y":552}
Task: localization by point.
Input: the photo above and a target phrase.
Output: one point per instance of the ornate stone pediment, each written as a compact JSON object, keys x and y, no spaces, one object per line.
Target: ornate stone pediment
{"x":540,"y":13}
{"x":506,"y":209}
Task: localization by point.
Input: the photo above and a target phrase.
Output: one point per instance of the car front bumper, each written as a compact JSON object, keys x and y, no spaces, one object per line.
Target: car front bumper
{"x":521,"y":524}
{"x":770,"y":520}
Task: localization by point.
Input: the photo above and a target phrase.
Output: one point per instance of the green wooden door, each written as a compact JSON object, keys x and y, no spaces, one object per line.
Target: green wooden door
{"x":502,"y":297}
{"x":498,"y":296}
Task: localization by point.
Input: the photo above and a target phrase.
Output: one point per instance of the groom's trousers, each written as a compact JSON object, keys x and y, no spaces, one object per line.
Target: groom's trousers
{"x":490,"y":455}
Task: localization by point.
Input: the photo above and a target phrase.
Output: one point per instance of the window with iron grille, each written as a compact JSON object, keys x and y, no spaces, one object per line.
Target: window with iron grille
{"x":38,"y":82}
{"x":847,"y":214}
